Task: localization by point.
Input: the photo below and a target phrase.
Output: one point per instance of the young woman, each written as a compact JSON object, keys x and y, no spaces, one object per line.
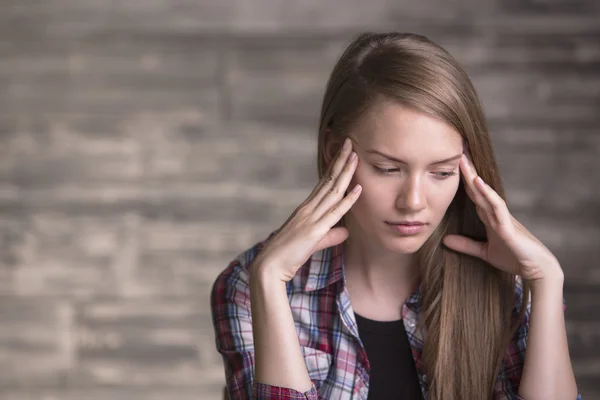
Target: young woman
{"x":403,"y":275}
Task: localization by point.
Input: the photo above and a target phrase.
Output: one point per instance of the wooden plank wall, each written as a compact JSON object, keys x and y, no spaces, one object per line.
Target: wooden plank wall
{"x":144,"y":144}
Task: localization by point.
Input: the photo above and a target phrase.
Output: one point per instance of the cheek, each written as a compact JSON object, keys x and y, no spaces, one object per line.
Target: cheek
{"x":442,"y":195}
{"x":377,"y":192}
{"x":371,"y":183}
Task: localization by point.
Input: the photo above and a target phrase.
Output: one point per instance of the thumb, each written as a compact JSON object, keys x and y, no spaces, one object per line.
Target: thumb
{"x":465,"y":245}
{"x":334,"y":237}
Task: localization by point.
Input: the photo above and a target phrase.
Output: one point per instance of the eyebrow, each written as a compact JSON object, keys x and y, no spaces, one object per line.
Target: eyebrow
{"x":447,"y":160}
{"x":377,"y":152}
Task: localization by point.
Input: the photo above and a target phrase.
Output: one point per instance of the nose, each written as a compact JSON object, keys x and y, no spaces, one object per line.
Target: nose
{"x":411,"y":196}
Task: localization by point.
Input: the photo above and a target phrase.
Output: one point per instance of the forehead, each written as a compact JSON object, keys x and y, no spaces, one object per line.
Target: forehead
{"x":396,"y":128}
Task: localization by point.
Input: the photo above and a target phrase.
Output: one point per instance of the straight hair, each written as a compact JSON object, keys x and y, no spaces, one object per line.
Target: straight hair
{"x":467,"y":304}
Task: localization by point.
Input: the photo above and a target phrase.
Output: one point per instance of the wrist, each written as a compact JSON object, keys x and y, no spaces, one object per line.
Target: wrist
{"x":553,"y":283}
{"x":264,"y":273}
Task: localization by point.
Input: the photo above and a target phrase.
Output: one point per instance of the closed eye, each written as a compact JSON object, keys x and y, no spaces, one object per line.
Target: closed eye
{"x":386,"y":170}
{"x":389,"y":171}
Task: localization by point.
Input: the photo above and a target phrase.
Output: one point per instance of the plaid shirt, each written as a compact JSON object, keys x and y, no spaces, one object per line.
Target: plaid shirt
{"x":335,"y":357}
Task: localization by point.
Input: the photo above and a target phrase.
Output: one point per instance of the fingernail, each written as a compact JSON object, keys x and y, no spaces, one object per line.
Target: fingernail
{"x":346,"y":144}
{"x":469,"y":162}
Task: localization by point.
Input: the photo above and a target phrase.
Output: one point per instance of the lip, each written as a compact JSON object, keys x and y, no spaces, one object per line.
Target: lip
{"x":408,"y":223}
{"x":405,"y":229}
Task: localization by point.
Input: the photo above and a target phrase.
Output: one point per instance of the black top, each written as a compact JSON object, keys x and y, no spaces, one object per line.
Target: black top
{"x":393,"y":374}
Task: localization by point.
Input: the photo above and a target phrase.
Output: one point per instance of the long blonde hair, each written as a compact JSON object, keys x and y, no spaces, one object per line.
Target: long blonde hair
{"x":467,"y":304}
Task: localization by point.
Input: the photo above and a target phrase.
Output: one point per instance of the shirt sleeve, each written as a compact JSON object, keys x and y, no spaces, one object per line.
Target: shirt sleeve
{"x":509,"y":377}
{"x":232,"y":322}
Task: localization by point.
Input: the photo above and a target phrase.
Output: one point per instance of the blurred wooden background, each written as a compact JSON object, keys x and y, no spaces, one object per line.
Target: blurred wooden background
{"x":146,"y":143}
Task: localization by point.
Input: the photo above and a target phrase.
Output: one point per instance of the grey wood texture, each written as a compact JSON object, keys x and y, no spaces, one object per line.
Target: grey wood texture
{"x":146,"y":143}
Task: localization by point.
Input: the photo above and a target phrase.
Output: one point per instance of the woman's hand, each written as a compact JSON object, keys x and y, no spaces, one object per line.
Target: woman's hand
{"x":510,"y":246}
{"x":309,"y":228}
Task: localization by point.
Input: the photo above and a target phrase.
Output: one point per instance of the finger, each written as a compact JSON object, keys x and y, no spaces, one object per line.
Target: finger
{"x":326,"y":175}
{"x":468,"y":190}
{"x":465,"y":245}
{"x":336,"y":192}
{"x":335,"y":213}
{"x":483,"y":195}
{"x":330,"y":177}
{"x":334,"y":237}
{"x":470,"y":175}
{"x":482,"y":215}
{"x":496,"y":204}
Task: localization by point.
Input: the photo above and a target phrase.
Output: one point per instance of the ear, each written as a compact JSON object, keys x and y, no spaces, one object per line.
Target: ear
{"x":332,"y":146}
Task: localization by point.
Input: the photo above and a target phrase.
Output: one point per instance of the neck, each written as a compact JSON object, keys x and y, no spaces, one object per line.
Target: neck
{"x":377,"y":269}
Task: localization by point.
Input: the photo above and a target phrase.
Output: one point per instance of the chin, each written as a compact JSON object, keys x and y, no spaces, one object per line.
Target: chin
{"x":404,"y":244}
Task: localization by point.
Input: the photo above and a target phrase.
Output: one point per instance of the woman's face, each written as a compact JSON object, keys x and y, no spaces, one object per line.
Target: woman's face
{"x":403,"y":175}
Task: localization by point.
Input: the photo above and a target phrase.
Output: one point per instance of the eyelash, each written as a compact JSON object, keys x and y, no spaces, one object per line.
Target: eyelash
{"x":384,"y":171}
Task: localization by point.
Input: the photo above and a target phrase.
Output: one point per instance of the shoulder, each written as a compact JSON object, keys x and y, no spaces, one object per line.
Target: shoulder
{"x":230,"y":303}
{"x":235,"y":276}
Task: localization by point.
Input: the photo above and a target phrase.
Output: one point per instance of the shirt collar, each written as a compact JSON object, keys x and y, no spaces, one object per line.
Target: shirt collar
{"x":414,"y":301}
{"x":326,"y":267}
